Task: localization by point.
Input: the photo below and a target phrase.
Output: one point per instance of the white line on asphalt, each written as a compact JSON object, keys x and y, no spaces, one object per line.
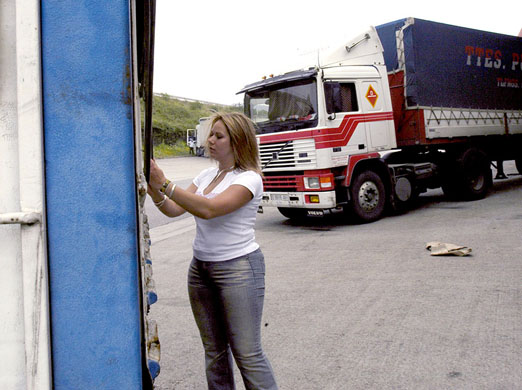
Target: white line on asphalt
{"x":172,"y":229}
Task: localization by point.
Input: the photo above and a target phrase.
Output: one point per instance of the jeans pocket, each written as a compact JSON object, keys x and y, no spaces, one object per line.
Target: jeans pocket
{"x":256,"y":260}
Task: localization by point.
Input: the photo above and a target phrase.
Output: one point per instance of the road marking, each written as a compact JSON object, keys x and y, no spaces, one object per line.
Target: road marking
{"x":173,"y":229}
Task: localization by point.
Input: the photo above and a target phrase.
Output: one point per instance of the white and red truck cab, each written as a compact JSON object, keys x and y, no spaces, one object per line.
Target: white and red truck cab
{"x":406,"y":106}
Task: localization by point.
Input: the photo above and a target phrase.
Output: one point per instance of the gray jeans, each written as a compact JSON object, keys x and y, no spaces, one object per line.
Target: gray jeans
{"x":227,"y":302}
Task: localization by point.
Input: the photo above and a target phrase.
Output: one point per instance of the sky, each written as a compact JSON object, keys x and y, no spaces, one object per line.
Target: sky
{"x":209,"y":50}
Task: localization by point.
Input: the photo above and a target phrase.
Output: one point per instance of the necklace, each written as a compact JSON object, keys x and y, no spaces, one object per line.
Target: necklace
{"x":224,"y":170}
{"x":219,"y":173}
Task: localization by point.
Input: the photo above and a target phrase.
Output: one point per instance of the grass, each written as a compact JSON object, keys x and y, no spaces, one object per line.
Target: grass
{"x":164,"y":151}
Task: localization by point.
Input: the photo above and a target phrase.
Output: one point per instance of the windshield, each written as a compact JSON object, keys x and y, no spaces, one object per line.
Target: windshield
{"x":283,"y":106}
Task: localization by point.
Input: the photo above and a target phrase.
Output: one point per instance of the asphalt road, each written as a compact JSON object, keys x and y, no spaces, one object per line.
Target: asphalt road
{"x":181,"y":171}
{"x":365,"y":306}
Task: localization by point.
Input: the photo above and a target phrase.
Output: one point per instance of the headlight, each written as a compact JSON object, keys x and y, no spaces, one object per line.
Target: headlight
{"x":312,"y":182}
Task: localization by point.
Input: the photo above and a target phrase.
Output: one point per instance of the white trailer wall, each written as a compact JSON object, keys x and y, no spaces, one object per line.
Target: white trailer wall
{"x":24,"y":328}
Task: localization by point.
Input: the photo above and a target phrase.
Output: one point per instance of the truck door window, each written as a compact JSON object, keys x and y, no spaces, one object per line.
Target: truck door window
{"x":340,"y":97}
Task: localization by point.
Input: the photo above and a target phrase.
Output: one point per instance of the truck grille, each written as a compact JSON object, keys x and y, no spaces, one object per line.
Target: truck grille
{"x":296,"y":154}
{"x":280,"y":183}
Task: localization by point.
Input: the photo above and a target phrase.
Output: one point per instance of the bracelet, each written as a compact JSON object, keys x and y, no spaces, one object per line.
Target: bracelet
{"x":171,"y":192}
{"x":161,"y":202}
{"x":165,"y":185}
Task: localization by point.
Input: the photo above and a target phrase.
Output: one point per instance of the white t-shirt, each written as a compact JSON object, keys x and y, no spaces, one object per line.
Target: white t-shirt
{"x":231,"y":235}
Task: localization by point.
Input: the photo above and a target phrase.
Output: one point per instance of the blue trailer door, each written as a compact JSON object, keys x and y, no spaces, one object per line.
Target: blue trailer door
{"x":92,"y":210}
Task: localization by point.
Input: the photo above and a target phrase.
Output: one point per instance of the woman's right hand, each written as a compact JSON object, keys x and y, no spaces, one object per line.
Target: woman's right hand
{"x":154,"y":194}
{"x":157,"y":177}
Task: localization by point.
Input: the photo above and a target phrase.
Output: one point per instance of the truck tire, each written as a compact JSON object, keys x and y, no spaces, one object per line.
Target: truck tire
{"x":292,"y":213}
{"x":368,"y":197}
{"x":470,"y":177}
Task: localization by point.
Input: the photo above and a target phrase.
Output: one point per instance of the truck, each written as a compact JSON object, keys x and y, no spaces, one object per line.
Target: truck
{"x":202,"y":129}
{"x":407,"y":106}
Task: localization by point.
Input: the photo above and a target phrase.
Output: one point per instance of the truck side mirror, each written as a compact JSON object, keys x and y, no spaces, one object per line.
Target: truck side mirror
{"x":331,"y":92}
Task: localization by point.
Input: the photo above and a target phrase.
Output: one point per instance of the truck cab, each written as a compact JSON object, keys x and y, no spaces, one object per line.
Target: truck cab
{"x":315,"y":125}
{"x":381,"y":119}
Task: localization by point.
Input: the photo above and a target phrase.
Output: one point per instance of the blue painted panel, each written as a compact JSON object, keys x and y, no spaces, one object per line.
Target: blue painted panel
{"x":91,"y":197}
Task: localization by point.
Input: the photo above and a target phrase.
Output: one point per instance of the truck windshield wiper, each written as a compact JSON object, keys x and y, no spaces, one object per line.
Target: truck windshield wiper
{"x":276,"y":155}
{"x":277,"y":126}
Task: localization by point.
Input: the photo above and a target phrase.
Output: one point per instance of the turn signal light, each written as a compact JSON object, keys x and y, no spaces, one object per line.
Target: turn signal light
{"x":325,"y":181}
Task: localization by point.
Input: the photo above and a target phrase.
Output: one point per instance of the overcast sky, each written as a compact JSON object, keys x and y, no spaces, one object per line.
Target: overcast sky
{"x":208,"y":50}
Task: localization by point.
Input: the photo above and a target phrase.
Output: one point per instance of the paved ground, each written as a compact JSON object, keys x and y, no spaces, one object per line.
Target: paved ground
{"x":366,"y":306}
{"x":181,"y":171}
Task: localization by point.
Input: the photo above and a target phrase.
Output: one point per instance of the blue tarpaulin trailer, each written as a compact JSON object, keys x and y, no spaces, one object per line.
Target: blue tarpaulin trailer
{"x":451,"y":66}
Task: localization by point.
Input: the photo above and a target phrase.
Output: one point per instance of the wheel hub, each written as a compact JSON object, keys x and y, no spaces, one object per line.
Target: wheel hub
{"x":368,"y":196}
{"x":477,"y":182}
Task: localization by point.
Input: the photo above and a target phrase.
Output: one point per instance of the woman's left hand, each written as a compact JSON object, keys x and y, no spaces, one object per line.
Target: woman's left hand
{"x":157,"y":177}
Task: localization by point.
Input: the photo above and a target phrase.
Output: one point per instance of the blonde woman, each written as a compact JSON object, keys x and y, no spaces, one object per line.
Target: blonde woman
{"x":226,"y":276}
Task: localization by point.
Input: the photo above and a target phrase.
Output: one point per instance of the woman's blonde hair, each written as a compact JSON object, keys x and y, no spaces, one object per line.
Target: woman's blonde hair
{"x":242,"y":139}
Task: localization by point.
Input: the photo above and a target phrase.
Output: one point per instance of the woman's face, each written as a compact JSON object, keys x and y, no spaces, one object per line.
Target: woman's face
{"x":219,"y":145}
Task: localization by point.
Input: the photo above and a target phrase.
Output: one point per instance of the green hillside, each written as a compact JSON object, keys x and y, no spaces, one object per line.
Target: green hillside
{"x":172,"y":117}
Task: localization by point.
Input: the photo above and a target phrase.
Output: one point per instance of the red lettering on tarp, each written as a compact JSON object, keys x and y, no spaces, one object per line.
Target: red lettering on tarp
{"x":516,"y":61}
{"x":505,"y":82}
{"x":498,"y":59}
{"x":487,"y":62}
{"x":480,"y":53}
{"x":492,"y":57}
{"x":470,"y":50}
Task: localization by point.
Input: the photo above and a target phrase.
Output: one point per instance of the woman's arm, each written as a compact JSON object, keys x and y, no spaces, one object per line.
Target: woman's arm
{"x":169,"y":208}
{"x":231,"y":199}
{"x":182,"y":200}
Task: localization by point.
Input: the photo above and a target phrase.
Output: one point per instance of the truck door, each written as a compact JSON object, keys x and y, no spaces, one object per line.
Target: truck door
{"x":344,"y":113}
{"x":373,"y":106}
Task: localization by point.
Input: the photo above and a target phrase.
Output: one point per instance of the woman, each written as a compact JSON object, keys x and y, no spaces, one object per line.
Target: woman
{"x":226,"y":275}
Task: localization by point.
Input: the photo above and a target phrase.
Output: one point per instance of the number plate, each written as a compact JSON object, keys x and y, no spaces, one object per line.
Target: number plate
{"x":315,"y":213}
{"x":280,"y":197}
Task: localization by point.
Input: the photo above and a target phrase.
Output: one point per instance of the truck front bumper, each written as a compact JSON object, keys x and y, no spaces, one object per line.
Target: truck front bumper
{"x":304,"y":200}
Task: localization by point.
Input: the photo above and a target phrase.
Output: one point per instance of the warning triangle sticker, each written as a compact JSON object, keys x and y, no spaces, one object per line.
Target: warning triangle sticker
{"x":372,"y":96}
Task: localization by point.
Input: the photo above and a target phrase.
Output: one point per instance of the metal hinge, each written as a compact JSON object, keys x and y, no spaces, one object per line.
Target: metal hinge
{"x":21,"y":218}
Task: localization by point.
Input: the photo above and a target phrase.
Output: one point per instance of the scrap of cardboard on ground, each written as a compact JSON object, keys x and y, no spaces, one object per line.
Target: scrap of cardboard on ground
{"x":444,"y":249}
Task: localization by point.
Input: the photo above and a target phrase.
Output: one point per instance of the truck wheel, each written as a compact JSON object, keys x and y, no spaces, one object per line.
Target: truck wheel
{"x":476,"y":174}
{"x":292,"y":213}
{"x":470,"y":178}
{"x":368,"y":197}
